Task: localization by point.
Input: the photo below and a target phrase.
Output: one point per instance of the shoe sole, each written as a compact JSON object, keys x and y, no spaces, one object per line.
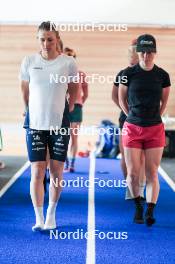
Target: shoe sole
{"x":37,"y":229}
{"x":49,"y":228}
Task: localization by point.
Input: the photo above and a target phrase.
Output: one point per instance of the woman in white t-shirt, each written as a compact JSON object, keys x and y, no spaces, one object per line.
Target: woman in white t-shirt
{"x":46,"y":77}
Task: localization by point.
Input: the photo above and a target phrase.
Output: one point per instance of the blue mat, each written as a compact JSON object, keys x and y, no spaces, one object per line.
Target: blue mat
{"x":18,"y":244}
{"x":144,"y":245}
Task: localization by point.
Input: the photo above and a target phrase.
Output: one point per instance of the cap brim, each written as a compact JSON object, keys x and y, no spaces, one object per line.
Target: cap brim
{"x":145,"y":49}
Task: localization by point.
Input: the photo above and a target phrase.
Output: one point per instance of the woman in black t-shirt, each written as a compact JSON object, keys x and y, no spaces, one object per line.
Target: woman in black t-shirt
{"x":133,"y":60}
{"x":143,"y":99}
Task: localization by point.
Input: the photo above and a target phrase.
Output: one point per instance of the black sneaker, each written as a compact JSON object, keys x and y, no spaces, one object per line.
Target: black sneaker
{"x":72,"y":170}
{"x":149,"y":219}
{"x":138,"y":218}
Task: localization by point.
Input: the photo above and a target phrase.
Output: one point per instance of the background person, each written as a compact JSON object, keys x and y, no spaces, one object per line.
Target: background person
{"x":2,"y":164}
{"x":76,"y":116}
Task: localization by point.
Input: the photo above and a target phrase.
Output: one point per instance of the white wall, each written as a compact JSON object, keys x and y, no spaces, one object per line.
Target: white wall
{"x":161,"y":12}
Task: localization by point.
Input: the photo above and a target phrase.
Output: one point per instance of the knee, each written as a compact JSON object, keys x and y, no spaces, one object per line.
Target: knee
{"x":55,"y":175}
{"x":132,"y":176}
{"x":151,"y":176}
{"x":38,"y":173}
{"x":133,"y":173}
{"x":56,"y":184}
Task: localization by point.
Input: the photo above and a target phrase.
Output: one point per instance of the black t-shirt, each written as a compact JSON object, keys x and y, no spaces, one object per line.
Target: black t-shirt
{"x":122,"y":116}
{"x":144,"y":94}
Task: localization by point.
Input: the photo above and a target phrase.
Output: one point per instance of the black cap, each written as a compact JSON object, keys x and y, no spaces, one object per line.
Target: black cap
{"x":146,"y":43}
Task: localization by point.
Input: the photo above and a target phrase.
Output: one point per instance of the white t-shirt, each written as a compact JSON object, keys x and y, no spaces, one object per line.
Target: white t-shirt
{"x":48,"y":84}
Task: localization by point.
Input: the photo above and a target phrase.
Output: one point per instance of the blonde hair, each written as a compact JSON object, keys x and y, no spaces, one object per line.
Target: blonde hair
{"x":132,"y":50}
{"x":132,"y":54}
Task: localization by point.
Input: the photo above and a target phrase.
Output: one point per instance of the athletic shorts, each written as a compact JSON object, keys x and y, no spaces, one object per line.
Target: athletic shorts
{"x":39,"y":140}
{"x":76,"y":116}
{"x":135,"y":136}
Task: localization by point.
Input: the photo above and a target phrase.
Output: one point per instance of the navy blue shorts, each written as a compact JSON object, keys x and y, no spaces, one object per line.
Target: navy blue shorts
{"x":39,"y":140}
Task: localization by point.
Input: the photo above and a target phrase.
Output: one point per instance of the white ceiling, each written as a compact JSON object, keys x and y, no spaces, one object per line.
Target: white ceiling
{"x":119,"y":11}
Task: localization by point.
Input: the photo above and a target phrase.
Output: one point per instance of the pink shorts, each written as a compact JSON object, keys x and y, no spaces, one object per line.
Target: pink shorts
{"x":134,"y":136}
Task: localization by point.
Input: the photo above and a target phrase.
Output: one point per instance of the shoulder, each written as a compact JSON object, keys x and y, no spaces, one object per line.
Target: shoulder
{"x":164,"y":76}
{"x":117,"y":78}
{"x":30,"y":58}
{"x":129,"y":70}
{"x":68,"y":59}
{"x":161,"y":71}
{"x":119,"y":74}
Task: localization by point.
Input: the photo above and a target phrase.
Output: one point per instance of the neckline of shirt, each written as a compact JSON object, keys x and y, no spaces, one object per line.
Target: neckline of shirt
{"x":146,"y":70}
{"x":50,"y":61}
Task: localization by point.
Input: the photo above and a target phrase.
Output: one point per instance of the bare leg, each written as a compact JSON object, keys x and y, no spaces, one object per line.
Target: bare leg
{"x":56,"y":176}
{"x":56,"y":172}
{"x":152,"y":161}
{"x":37,"y":191}
{"x":124,"y":167}
{"x":74,"y":144}
{"x":36,"y":184}
{"x":123,"y":163}
{"x":142,"y":175}
{"x":132,"y":158}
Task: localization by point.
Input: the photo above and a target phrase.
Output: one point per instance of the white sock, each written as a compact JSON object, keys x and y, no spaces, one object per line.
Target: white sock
{"x":141,"y":190}
{"x":128,"y":195}
{"x":50,"y":217}
{"x":39,"y":215}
